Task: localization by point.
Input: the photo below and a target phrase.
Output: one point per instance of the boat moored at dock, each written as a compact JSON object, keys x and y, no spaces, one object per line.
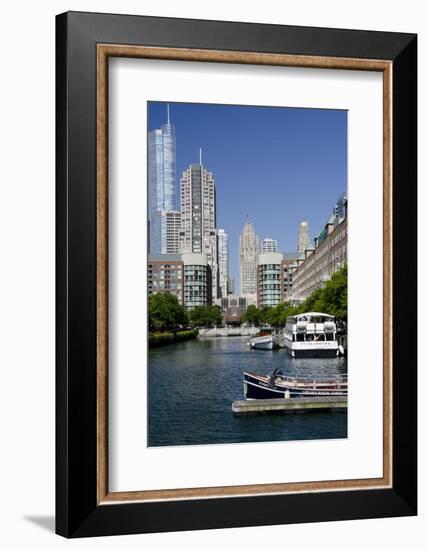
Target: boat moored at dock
{"x":267,"y":340}
{"x":311,"y":334}
{"x":278,"y":385}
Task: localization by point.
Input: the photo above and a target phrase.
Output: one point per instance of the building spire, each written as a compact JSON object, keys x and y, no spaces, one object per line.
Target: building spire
{"x":200,"y":156}
{"x":167,"y":110}
{"x":303,"y":240}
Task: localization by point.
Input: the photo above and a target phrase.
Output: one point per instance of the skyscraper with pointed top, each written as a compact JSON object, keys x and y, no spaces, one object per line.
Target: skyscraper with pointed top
{"x":248,"y":255}
{"x":198,"y":217}
{"x":165,"y":220}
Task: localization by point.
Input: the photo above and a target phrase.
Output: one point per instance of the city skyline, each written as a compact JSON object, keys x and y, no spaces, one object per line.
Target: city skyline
{"x":247,"y":150}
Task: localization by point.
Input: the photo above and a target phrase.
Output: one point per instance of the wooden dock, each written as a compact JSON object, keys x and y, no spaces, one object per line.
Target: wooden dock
{"x":290,"y":405}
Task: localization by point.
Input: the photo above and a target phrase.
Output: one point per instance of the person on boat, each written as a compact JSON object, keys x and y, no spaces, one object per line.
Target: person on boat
{"x":272,"y":377}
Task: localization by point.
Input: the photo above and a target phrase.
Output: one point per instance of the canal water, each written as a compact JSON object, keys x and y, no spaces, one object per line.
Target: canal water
{"x":192,"y":385}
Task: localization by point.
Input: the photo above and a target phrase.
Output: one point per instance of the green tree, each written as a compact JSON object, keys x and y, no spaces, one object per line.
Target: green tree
{"x":332,"y":298}
{"x":314,"y":302}
{"x":166,"y":312}
{"x":272,"y":315}
{"x":277,"y":316}
{"x":265,"y":314}
{"x":205,"y":316}
{"x":252,"y":315}
{"x":335,"y":294}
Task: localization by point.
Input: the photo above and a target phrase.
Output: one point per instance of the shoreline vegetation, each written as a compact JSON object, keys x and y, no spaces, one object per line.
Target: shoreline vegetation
{"x":158,"y":339}
{"x":170,"y":322}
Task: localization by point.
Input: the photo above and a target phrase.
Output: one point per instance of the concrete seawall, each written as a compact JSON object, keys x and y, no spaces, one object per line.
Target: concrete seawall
{"x":225,"y":332}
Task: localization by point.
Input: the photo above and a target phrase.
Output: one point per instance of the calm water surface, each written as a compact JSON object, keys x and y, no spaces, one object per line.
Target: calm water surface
{"x":192,"y":385}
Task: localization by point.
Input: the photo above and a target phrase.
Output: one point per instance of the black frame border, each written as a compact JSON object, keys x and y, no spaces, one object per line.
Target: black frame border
{"x":77,"y":512}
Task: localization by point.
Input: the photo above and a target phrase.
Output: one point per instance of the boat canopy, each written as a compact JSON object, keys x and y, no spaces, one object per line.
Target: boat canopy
{"x":309,"y":315}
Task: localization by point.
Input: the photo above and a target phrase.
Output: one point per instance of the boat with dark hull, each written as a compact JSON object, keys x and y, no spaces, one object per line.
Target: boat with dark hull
{"x":278,"y":385}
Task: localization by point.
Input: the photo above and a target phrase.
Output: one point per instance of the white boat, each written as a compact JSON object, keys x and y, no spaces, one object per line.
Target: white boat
{"x":264,"y":341}
{"x":311,"y":334}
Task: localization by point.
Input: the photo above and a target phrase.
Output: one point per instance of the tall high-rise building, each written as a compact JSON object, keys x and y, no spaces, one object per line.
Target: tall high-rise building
{"x":303,"y":240}
{"x":248,"y":254}
{"x":269,"y":245}
{"x":198,"y":218}
{"x":161,"y":179}
{"x":223,"y":261}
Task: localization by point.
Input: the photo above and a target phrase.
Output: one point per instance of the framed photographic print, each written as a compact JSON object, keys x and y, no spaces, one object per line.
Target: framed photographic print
{"x":236,"y":274}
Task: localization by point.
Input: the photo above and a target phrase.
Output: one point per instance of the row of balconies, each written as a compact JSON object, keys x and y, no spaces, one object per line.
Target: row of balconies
{"x":174,"y":289}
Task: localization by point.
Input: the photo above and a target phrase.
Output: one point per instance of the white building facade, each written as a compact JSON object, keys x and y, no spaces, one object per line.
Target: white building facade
{"x":223,"y":261}
{"x":269,"y":245}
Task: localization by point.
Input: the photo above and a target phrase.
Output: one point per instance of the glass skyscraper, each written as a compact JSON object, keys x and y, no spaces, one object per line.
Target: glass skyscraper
{"x":161,"y":178}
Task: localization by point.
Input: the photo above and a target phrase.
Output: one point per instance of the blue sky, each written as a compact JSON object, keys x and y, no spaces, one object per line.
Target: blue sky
{"x":279,"y":166}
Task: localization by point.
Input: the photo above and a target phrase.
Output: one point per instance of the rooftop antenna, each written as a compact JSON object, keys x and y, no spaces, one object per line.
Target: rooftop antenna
{"x":200,"y":156}
{"x":167,"y":110}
